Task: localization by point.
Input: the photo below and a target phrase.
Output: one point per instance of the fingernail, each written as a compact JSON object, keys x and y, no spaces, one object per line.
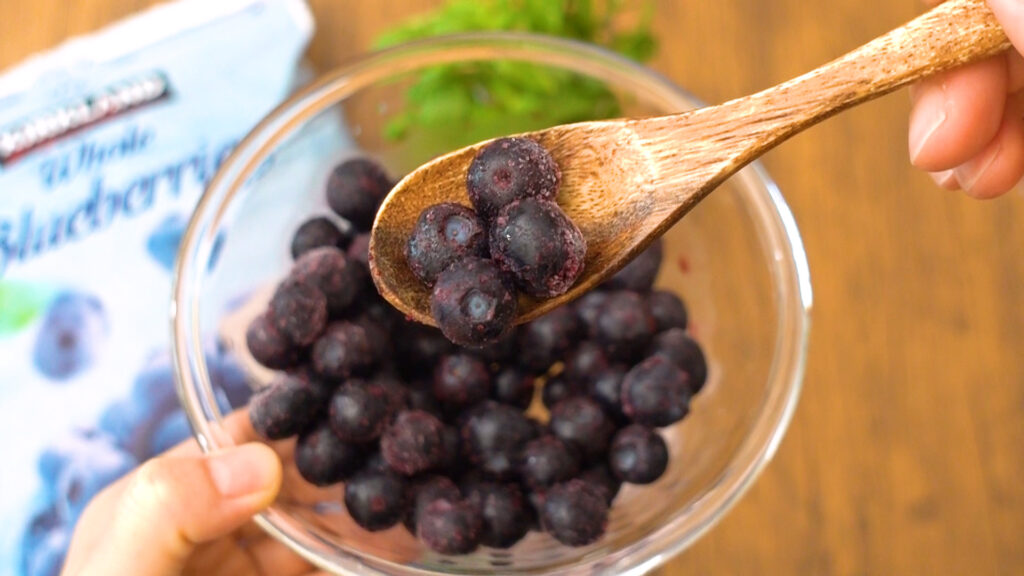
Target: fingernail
{"x":969,"y":173}
{"x":243,"y":470}
{"x":930,"y":113}
{"x":945,"y":179}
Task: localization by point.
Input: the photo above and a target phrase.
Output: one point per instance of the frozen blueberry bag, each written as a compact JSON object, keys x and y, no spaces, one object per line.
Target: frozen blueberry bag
{"x":106,"y":143}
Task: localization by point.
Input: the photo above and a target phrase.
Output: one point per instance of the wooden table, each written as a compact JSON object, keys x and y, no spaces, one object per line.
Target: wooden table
{"x":906,"y":455}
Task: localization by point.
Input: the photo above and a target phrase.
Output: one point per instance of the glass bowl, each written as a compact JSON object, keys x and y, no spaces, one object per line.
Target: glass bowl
{"x":736,"y":259}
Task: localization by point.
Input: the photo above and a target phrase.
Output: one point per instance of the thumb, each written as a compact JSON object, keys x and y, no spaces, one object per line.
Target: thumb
{"x":1010,"y":14}
{"x":174,"y":503}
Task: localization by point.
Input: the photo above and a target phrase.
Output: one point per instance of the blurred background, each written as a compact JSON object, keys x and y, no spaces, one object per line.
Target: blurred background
{"x":907,"y":449}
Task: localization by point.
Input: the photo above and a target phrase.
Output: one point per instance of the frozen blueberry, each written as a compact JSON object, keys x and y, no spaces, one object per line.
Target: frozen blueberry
{"x":376,"y":500}
{"x":419,"y":348}
{"x":581,"y":422}
{"x":535,"y":243}
{"x":359,"y":250}
{"x":546,"y":461}
{"x":355,"y":190}
{"x":547,"y":339}
{"x":359,"y":411}
{"x":374,"y":462}
{"x":500,"y":351}
{"x":625,"y":326}
{"x":656,"y":392}
{"x":323,"y":459}
{"x":492,"y":437}
{"x":461,"y":380}
{"x":413,"y":443}
{"x":423,"y":492}
{"x":397,"y":393}
{"x":505,"y":514}
{"x":450,"y":454}
{"x":329,"y":270}
{"x":514,"y":386}
{"x":344,"y":349}
{"x":601,"y":478}
{"x":423,"y":399}
{"x":318,"y":232}
{"x":285,"y":408}
{"x":510,"y":169}
{"x":588,"y":310}
{"x":574,"y":513}
{"x":638,"y":455}
{"x":558,"y":388}
{"x":585,"y":362}
{"x":299,"y":311}
{"x":471,"y":304}
{"x":449,"y":527}
{"x":269,"y":347}
{"x":444,"y":233}
{"x":667,"y":309}
{"x":72,"y":334}
{"x":685,"y":353}
{"x":640,"y":273}
{"x":606,"y":388}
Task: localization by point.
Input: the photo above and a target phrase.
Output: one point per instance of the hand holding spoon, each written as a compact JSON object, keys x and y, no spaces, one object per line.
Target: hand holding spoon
{"x":626,"y":181}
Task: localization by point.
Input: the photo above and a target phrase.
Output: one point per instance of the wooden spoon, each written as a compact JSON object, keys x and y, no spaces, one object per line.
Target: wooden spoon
{"x":626,"y":181}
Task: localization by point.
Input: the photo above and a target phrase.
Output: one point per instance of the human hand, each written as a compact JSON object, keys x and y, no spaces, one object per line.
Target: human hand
{"x":967,"y":125}
{"x":187,"y":513}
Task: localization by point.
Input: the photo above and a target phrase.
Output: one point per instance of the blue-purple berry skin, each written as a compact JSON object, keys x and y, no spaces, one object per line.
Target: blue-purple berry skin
{"x":601,"y":478}
{"x":318,"y":232}
{"x":638,"y":455}
{"x":505,"y":514}
{"x":676,"y":345}
{"x":285,"y":408}
{"x":588,"y":310}
{"x":625,"y":326}
{"x":510,"y":169}
{"x":345,"y":349}
{"x":546,"y":461}
{"x":493,"y":435}
{"x":269,"y":347}
{"x":514,"y":386}
{"x":359,"y":411}
{"x":376,"y":500}
{"x":444,"y":234}
{"x":423,"y":491}
{"x":582,"y":423}
{"x":322,"y":459}
{"x":471,"y":303}
{"x":668,"y":310}
{"x":359,"y":250}
{"x":330,"y":271}
{"x":640,"y":273}
{"x":298,"y":311}
{"x":606,"y":388}
{"x":656,"y":392}
{"x":461,"y":380}
{"x":585,"y":362}
{"x":448,"y":527}
{"x":574,"y":513}
{"x":538,"y":246}
{"x":558,"y":388}
{"x":355,"y":190}
{"x":413,"y":443}
{"x":548,"y":339}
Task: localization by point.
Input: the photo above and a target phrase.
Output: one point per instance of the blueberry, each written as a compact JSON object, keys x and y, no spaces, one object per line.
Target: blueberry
{"x":162,"y":243}
{"x":514,"y":386}
{"x":601,"y":478}
{"x":329,"y":271}
{"x":606,"y":388}
{"x":461,"y":380}
{"x":97,"y":464}
{"x":574,"y":513}
{"x":546,"y":461}
{"x":359,"y":411}
{"x":471,"y":304}
{"x":376,"y":500}
{"x":588,"y":310}
{"x":656,"y":392}
{"x":505,"y":514}
{"x":444,"y":234}
{"x":585,"y":363}
{"x":269,"y":347}
{"x":374,"y":462}
{"x":423,"y":399}
{"x":558,"y":388}
{"x":413,"y":443}
{"x":299,"y":311}
{"x":359,"y":250}
{"x":345,"y":349}
{"x":510,"y":169}
{"x":685,"y":353}
{"x":625,"y":326}
{"x":420,"y":348}
{"x":318,"y":232}
{"x":171,"y":431}
{"x":285,"y":408}
{"x":500,"y":351}
{"x":548,"y":339}
{"x":535,"y":243}
{"x":667,"y":309}
{"x":355,"y":190}
{"x":324,"y":459}
{"x":452,"y":443}
{"x":72,"y":334}
{"x":640,"y":273}
{"x":397,"y":393}
{"x":425,"y":491}
{"x":492,"y":437}
{"x":449,"y":527}
{"x":638,"y":455}
{"x":581,"y":422}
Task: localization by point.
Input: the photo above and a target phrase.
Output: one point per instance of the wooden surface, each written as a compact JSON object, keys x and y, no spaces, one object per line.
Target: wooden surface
{"x":906,"y":454}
